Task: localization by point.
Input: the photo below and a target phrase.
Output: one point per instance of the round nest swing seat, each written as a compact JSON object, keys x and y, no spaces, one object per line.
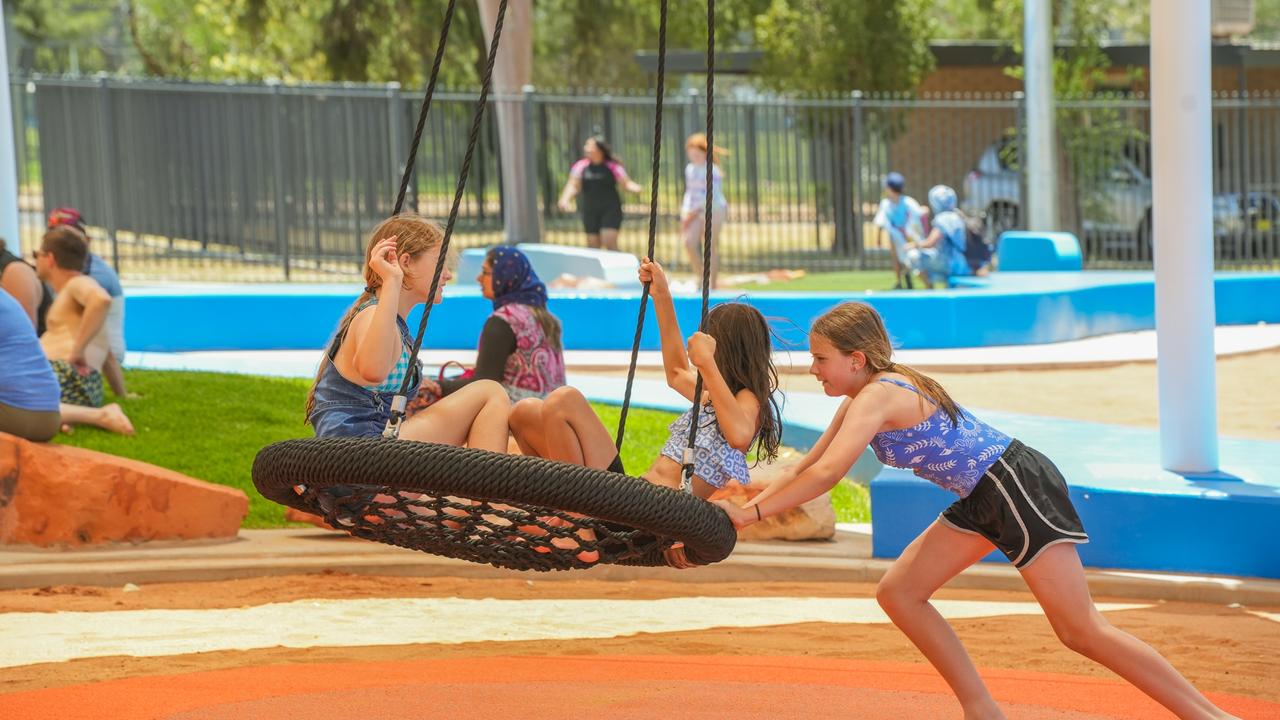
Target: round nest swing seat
{"x":509,"y":511}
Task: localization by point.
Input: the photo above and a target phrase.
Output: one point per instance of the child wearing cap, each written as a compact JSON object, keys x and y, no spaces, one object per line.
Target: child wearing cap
{"x":98,"y":269}
{"x":901,"y":217}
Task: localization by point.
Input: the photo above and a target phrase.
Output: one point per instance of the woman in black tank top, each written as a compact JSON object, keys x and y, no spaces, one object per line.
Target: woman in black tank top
{"x":595,"y":179}
{"x":16,"y":282}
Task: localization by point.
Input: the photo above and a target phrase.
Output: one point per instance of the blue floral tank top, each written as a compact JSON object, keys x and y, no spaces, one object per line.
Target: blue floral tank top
{"x":953,"y":456}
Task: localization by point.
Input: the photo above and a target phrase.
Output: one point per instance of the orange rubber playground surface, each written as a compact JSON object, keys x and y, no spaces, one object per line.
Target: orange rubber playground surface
{"x":616,"y":686}
{"x":488,"y":648}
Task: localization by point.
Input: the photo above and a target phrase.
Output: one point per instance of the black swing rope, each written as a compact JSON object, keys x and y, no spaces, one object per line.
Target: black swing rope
{"x":653,"y":218}
{"x":400,"y":401}
{"x":426,"y":105}
{"x":706,"y":233}
{"x":511,"y":511}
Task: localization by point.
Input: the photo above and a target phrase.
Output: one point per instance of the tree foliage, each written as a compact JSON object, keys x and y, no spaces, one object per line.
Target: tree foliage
{"x":824,"y":45}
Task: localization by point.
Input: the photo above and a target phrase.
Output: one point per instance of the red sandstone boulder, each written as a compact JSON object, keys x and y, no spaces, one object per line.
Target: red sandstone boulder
{"x":814,"y":520}
{"x":53,"y":495}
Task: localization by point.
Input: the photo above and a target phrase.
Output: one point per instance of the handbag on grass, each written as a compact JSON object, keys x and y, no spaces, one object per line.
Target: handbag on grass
{"x":427,"y":396}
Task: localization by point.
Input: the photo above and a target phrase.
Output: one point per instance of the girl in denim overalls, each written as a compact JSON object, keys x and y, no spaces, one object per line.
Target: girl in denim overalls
{"x":369,"y":357}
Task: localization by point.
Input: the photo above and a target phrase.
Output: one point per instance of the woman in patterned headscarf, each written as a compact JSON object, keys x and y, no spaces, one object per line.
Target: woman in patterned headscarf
{"x":520,"y":343}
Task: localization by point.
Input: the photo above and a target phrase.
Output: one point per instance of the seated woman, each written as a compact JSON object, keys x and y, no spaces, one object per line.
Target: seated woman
{"x":368,"y":358}
{"x":520,"y":343}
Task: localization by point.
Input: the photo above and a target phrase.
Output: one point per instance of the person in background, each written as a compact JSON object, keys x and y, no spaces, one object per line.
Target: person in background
{"x":74,"y":342}
{"x":520,"y":344}
{"x":942,"y":253}
{"x":595,"y":179}
{"x":19,"y":279}
{"x":98,"y":269}
{"x":901,"y":217}
{"x":693,"y":208}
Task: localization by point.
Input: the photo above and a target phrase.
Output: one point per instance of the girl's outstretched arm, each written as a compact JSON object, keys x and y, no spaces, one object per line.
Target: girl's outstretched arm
{"x":863,"y":419}
{"x":675,"y":361}
{"x":737,"y":415}
{"x":815,"y":452}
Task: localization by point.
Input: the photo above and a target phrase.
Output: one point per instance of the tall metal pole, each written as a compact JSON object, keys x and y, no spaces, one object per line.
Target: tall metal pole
{"x":9,"y":229}
{"x":1042,"y":143}
{"x":1182,"y":198}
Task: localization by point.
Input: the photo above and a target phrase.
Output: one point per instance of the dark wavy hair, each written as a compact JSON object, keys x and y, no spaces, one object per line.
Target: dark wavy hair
{"x":744,"y":355}
{"x":604,"y":148}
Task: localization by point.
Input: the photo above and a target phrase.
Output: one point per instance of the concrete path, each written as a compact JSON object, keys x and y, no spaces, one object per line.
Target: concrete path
{"x":847,"y":558}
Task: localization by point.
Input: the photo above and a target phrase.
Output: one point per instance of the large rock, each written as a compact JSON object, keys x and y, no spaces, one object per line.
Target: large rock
{"x":814,"y":520}
{"x":58,"y":496}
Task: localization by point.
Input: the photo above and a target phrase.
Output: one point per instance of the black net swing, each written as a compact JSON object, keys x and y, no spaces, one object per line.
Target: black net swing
{"x":510,"y":511}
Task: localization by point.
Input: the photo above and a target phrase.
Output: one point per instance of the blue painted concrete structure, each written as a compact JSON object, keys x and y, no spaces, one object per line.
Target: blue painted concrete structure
{"x":1003,"y":309}
{"x":1026,"y":251}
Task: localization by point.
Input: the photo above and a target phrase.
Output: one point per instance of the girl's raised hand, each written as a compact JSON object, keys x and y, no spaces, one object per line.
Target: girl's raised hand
{"x":702,"y":350}
{"x":386,"y":263}
{"x":652,"y":273}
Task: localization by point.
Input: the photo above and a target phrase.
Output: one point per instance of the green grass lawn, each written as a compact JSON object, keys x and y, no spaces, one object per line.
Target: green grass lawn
{"x":210,"y":426}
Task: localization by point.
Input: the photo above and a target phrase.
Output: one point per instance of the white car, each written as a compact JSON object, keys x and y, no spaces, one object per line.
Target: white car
{"x":1119,"y":216}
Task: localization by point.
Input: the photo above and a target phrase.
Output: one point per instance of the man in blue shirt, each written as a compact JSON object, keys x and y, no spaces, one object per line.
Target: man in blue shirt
{"x":98,"y":269}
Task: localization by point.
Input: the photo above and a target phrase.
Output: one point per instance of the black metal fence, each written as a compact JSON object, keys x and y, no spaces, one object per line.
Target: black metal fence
{"x":186,"y":181}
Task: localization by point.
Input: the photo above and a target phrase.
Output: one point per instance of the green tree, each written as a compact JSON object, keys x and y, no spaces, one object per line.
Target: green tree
{"x":62,"y":36}
{"x":314,"y":41}
{"x":593,"y":43}
{"x":1266,"y":16}
{"x":824,"y":45}
{"x":818,"y":46}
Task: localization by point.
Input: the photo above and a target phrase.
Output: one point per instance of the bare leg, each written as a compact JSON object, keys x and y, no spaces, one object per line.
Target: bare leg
{"x":717,"y":223}
{"x":114,"y":374}
{"x":609,"y":238}
{"x":1058,"y":582}
{"x":938,"y":555}
{"x":475,"y":416}
{"x":574,"y":432}
{"x":527,"y":427}
{"x":593,"y":240}
{"x":693,"y":247}
{"x":550,"y":429}
{"x":108,"y":417}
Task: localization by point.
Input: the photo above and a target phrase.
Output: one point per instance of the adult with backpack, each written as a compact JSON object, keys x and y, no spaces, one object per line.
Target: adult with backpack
{"x":954,"y":246}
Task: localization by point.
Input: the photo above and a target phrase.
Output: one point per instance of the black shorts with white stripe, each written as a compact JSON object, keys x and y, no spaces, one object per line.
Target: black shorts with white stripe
{"x":1021,"y":505}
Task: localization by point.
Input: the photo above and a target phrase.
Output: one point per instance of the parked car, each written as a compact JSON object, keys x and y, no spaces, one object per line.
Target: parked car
{"x":1120,"y":218}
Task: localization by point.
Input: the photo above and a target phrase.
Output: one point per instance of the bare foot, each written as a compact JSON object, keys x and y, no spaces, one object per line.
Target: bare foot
{"x":295,"y":515}
{"x":113,"y":418}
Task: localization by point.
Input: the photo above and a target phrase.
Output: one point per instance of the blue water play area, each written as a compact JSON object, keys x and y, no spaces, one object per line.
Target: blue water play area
{"x":1139,"y":516}
{"x":1002,"y":309}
